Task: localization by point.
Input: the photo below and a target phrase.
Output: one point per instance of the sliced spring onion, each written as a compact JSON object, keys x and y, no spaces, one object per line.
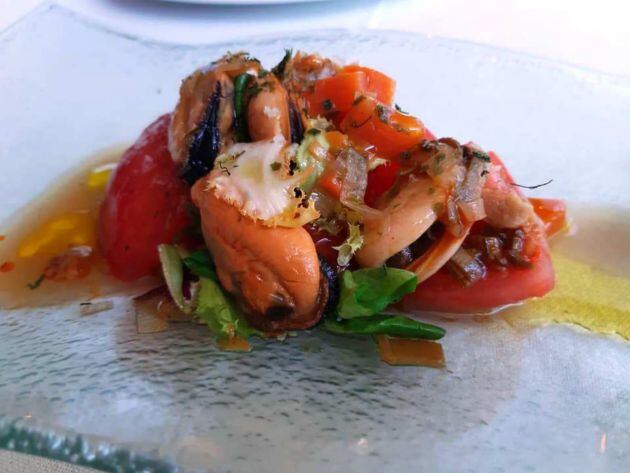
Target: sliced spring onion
{"x":240,"y":107}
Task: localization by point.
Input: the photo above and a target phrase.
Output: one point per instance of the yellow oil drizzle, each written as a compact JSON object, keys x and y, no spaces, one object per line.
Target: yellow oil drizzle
{"x":584,"y":296}
{"x":592,"y":277}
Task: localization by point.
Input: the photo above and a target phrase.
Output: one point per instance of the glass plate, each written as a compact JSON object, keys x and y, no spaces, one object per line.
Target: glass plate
{"x":92,"y":391}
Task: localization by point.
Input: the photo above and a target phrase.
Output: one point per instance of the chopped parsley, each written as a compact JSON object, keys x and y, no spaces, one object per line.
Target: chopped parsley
{"x":275,"y":166}
{"x":480,"y":155}
{"x":38,"y":282}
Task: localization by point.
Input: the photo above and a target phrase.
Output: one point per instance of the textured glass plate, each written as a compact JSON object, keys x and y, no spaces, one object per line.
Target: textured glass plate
{"x":92,"y":391}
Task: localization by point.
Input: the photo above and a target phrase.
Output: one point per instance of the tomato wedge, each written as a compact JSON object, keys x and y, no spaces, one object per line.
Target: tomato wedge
{"x":334,"y":95}
{"x":442,"y":292}
{"x":145,"y":205}
{"x":377,"y":84}
{"x":389,"y":131}
{"x":553,"y":213}
{"x":380,"y":180}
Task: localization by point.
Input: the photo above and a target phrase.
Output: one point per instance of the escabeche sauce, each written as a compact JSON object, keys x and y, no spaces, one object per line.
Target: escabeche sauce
{"x":64,"y":216}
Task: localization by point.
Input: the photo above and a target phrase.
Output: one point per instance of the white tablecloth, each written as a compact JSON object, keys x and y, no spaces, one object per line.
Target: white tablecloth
{"x":584,"y":32}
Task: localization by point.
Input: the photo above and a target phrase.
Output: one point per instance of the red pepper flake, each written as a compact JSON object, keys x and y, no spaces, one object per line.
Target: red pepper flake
{"x":2,"y":237}
{"x":7,"y":266}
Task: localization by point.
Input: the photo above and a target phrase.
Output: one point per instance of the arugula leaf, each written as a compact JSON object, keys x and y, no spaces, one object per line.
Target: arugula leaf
{"x":367,"y":292}
{"x":350,"y":245}
{"x":392,"y":325}
{"x":200,"y":264}
{"x":219,"y":313}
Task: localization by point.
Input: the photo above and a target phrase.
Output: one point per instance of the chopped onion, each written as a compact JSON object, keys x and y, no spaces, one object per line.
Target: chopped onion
{"x":355,"y":177}
{"x":355,"y":183}
{"x":473,"y":210}
{"x":454,"y":226}
{"x":365,"y":210}
{"x":324,"y":204}
{"x":469,"y":193}
{"x":466,"y":268}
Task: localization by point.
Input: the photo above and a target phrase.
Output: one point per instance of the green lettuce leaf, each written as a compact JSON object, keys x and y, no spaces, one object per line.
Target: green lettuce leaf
{"x":350,"y":245}
{"x":369,"y":291}
{"x":200,"y":264}
{"x":173,"y":271}
{"x":219,"y":313}
{"x":304,"y":158}
{"x":392,"y":325}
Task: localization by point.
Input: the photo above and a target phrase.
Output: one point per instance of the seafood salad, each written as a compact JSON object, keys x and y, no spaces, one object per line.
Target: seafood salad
{"x":301,"y":196}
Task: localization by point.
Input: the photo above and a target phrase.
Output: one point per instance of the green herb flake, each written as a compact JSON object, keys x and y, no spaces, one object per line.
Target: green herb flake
{"x":313,"y":131}
{"x":38,"y":282}
{"x":275,"y":166}
{"x":262,"y":73}
{"x":480,"y":155}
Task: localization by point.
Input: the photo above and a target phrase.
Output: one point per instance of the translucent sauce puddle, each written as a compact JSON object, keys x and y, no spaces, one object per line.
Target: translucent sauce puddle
{"x":65,"y":215}
{"x":592,"y":276}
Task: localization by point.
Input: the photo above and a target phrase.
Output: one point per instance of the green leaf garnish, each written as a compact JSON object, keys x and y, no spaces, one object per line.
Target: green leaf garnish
{"x":392,"y":325}
{"x":369,"y":291}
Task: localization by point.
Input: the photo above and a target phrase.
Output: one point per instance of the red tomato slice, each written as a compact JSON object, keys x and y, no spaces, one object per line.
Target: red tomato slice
{"x":324,"y":243}
{"x":444,"y":293}
{"x":552,"y":212}
{"x":381,"y":86}
{"x":334,"y":95}
{"x":145,"y":205}
{"x":388,"y":130}
{"x":380,"y":180}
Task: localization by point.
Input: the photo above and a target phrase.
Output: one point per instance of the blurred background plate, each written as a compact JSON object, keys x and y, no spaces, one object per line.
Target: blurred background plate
{"x":240,"y":2}
{"x":92,"y":391}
